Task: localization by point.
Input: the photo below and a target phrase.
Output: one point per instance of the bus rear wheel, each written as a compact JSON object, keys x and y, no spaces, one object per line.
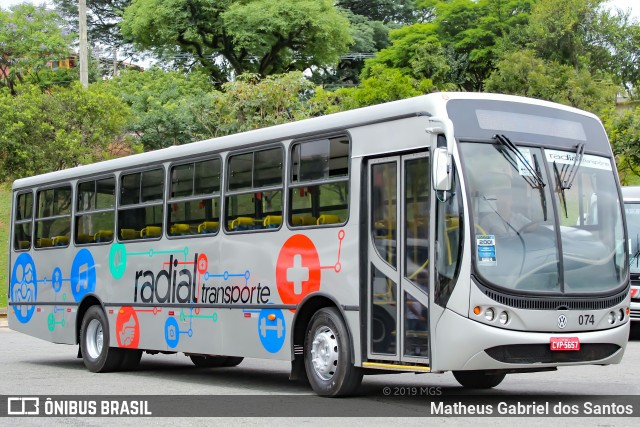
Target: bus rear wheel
{"x":97,"y":355}
{"x":208,"y":361}
{"x":327,"y":359}
{"x":478,"y":379}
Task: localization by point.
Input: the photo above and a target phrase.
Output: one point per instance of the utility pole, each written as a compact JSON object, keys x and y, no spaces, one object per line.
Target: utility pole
{"x":84,"y":54}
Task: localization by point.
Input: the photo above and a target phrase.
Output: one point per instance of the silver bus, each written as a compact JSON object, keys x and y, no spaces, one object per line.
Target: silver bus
{"x":631,"y":197}
{"x":474,"y":233}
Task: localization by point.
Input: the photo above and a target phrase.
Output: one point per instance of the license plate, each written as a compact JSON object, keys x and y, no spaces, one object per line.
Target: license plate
{"x":565,"y":344}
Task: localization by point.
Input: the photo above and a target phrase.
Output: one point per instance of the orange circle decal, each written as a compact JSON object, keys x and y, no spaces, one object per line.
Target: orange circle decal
{"x":127,"y":328}
{"x":297,"y":269}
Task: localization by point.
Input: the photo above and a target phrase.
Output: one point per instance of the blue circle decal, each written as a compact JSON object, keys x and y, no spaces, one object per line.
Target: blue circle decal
{"x":56,"y":279}
{"x":172,"y":332}
{"x":271,"y":332}
{"x":24,"y":287}
{"x":83,"y":275}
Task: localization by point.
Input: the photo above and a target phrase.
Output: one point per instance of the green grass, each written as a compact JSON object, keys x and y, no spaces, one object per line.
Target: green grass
{"x":5,"y":220}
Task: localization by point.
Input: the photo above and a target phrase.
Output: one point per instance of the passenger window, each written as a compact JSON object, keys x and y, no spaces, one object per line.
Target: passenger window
{"x":319,"y":182}
{"x":194,"y":199}
{"x":141,"y":208}
{"x":53,"y":217}
{"x":22,"y":221}
{"x":254,"y":200}
{"x":95,"y":211}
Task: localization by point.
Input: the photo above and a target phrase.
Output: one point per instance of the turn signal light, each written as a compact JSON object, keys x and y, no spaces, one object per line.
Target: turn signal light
{"x":476,"y":310}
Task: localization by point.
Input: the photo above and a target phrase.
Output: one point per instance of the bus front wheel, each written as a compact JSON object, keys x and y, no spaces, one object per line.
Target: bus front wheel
{"x":97,"y":355}
{"x":478,"y":379}
{"x":327,"y":358}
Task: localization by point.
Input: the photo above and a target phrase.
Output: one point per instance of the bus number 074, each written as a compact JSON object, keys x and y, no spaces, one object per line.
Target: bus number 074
{"x":586,"y":319}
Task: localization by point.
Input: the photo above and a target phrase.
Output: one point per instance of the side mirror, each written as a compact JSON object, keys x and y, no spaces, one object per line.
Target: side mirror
{"x":441,"y":170}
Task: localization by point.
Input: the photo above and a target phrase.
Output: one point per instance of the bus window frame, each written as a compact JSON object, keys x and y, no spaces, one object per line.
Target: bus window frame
{"x":77,"y":212}
{"x":59,"y":184}
{"x":119,"y":206}
{"x":290,"y":185}
{"x":31,"y":220}
{"x":169,"y":200}
{"x":225,"y":184}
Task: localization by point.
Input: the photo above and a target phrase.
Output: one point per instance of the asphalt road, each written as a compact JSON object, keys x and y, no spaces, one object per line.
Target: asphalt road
{"x":29,"y":366}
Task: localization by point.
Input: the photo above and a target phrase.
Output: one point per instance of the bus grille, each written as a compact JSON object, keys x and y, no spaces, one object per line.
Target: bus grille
{"x":541,"y":353}
{"x":555,"y":303}
{"x":635,"y":314}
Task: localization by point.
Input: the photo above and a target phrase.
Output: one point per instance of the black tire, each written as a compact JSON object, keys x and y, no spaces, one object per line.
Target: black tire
{"x":131,"y":359}
{"x":233,"y":361}
{"x":327,"y":342}
{"x":97,"y":355}
{"x":478,"y":379}
{"x":208,"y":361}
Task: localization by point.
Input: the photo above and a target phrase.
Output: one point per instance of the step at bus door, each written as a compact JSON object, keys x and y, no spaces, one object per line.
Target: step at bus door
{"x":398,"y":248}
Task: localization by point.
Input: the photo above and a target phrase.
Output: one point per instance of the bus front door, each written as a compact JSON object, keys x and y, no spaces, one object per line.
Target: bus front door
{"x":399,"y":204}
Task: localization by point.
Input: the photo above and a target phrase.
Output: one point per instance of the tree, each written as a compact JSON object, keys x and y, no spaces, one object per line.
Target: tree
{"x":30,"y":36}
{"x":232,"y":37}
{"x":382,"y":85}
{"x":42,"y":132}
{"x":522,"y":73}
{"x":459,"y":43}
{"x":161,"y":104}
{"x":386,"y":11}
{"x":103,"y":19}
{"x":250,"y":103}
{"x":624,"y":134}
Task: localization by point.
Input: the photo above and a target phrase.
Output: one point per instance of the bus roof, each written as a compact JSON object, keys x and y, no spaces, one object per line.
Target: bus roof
{"x":433,"y":104}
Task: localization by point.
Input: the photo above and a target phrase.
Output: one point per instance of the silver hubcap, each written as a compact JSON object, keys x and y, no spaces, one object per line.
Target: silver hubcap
{"x":94,"y":339}
{"x":324,"y":353}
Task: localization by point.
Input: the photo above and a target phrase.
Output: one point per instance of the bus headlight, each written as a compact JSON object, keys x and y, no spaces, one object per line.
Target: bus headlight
{"x":611,"y":318}
{"x":504,"y":318}
{"x":620,"y":314}
{"x":489,"y":314}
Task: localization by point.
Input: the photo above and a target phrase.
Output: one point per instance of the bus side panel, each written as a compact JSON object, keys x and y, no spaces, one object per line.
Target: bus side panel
{"x":42,"y":277}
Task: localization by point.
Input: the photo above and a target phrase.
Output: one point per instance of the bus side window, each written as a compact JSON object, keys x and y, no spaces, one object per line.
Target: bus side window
{"x":53,"y":217}
{"x":319,"y":182}
{"x":22,"y":221}
{"x":141,"y":205}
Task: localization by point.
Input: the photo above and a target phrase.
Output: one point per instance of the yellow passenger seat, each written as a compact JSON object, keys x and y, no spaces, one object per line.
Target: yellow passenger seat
{"x":60,"y":240}
{"x":84,"y":238}
{"x":104,"y":236}
{"x":151,"y":231}
{"x":242,"y":223}
{"x":272,"y":221}
{"x":44,"y":242}
{"x":24,"y":244}
{"x":302,"y":220}
{"x":329,"y":219}
{"x":129,"y":233}
{"x":208,"y":227}
{"x":180,"y":229}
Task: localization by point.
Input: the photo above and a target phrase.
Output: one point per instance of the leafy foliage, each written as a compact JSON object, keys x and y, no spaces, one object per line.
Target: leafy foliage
{"x":42,"y":132}
{"x":30,"y":36}
{"x":161,"y":105}
{"x":228,"y":37}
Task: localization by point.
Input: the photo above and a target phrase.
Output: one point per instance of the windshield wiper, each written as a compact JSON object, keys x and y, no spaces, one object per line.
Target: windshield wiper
{"x":513,"y":155}
{"x":561,"y":189}
{"x":572,"y":171}
{"x":637,"y":254}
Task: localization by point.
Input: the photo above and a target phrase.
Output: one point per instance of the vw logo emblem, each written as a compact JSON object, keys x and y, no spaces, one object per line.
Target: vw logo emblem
{"x":562,"y":321}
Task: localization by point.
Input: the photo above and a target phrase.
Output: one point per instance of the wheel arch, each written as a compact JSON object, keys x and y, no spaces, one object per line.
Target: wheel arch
{"x":88,"y":301}
{"x":305,"y":311}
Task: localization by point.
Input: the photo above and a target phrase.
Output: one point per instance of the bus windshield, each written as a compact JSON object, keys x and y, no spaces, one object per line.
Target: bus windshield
{"x":545,"y":221}
{"x":632,"y":212}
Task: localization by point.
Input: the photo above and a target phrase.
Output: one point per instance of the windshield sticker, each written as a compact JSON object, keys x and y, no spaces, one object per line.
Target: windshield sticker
{"x":588,"y":161}
{"x":523,"y":169}
{"x":486,"y":245}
